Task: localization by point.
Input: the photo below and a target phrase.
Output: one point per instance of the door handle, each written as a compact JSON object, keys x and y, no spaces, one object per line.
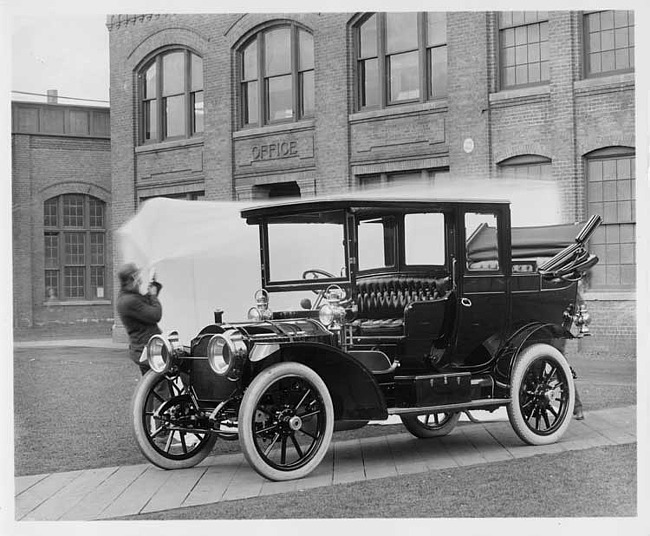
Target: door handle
{"x":466,"y":302}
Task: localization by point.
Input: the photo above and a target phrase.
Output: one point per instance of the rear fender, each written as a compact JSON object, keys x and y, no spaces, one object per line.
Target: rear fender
{"x":552,"y":334}
{"x":355,"y":393}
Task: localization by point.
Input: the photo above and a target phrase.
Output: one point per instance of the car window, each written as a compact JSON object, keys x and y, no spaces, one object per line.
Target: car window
{"x":424,"y":239}
{"x":376,"y":238}
{"x":297,"y":247}
{"x":482,"y":247}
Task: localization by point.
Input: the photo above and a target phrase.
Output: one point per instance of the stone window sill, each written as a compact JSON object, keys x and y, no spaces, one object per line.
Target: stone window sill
{"x":75,"y":303}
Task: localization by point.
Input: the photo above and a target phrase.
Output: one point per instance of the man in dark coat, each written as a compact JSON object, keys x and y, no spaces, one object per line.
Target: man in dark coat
{"x":139,"y":313}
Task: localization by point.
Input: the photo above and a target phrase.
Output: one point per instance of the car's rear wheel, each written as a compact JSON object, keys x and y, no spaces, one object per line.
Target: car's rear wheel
{"x":431,"y":424}
{"x":165,"y":437}
{"x":542,"y":395}
{"x":286,"y":420}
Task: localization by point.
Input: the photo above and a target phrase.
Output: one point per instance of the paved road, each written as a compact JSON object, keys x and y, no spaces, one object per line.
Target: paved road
{"x":119,"y":491}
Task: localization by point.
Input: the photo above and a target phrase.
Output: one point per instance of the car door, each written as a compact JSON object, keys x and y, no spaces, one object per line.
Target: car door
{"x":484,"y":267}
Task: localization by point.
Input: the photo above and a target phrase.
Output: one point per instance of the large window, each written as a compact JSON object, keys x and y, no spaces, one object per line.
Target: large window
{"x":277,"y":76}
{"x":420,"y":180}
{"x":524,"y":48}
{"x":528,"y":166}
{"x":171,"y":93}
{"x":609,"y":42}
{"x":75,"y":247}
{"x":401,"y":57}
{"x":611,"y":194}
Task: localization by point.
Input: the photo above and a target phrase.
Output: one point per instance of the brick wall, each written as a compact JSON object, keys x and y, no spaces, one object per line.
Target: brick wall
{"x":561,"y":120}
{"x":46,"y":166}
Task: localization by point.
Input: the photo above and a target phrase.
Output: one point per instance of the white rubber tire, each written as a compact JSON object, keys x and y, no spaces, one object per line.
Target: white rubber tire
{"x":146,"y":385}
{"x":426,"y":431}
{"x":247,"y":411}
{"x":524,"y":361}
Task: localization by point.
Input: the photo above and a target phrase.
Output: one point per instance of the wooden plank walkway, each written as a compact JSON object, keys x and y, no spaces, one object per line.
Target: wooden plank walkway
{"x":112,"y":492}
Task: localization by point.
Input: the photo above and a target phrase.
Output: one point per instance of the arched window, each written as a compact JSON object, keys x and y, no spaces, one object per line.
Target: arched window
{"x":276,"y":75}
{"x":75,"y":247}
{"x":400,"y":57}
{"x":529,"y":166}
{"x":171,"y":96}
{"x":610,"y":175}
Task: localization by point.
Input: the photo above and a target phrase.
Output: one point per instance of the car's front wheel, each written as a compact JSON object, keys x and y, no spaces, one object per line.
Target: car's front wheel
{"x":163,"y":416}
{"x":431,"y":424}
{"x":542,"y":395}
{"x":286,"y":420}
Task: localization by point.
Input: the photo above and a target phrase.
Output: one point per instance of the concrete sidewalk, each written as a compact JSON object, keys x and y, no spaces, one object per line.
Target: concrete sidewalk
{"x":119,"y":491}
{"x":75,"y":343}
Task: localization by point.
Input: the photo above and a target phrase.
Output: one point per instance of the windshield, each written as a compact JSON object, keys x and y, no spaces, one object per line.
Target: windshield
{"x":307,"y":249}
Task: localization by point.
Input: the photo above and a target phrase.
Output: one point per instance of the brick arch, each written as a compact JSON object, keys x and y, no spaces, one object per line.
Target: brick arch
{"x":245,"y":27}
{"x":73,"y":187}
{"x":605,"y":142}
{"x":148,"y":47}
{"x":520,"y":149}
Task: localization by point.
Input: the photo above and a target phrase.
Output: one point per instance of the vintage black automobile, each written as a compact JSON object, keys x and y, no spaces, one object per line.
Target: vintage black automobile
{"x":422,"y":309}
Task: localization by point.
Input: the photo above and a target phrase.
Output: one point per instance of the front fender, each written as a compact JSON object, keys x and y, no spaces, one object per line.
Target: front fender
{"x":522,"y":338}
{"x":355,"y":393}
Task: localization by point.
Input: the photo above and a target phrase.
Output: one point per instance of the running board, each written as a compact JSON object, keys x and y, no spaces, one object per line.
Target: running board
{"x":474,"y":404}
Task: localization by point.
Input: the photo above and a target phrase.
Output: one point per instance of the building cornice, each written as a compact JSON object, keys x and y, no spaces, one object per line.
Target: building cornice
{"x":114,"y":22}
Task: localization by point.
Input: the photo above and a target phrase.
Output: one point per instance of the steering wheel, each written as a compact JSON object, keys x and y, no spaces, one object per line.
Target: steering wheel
{"x":316,"y":273}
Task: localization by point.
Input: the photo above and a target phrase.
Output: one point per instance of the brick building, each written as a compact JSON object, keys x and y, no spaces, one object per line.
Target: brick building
{"x":247,"y":106}
{"x":61,"y":189}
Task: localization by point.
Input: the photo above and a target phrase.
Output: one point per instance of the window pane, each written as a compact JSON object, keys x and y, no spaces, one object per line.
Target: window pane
{"x":436,"y":29}
{"x":74,"y":248}
{"x":401,"y":31}
{"x":424,"y":239}
{"x":279,"y":98}
{"x":97,"y":248}
{"x":173,"y":73}
{"x":368,"y":38}
{"x":307,"y":93}
{"x":150,"y":121}
{"x":197,"y":73}
{"x":616,"y":234}
{"x":175,"y":116}
{"x":524,"y":57}
{"x":369,"y":79}
{"x":150,"y":84}
{"x":51,"y":284}
{"x":438,"y":70}
{"x":610,"y":46}
{"x":250,"y":103}
{"x":73,"y":211}
{"x":376,"y":239}
{"x":97,"y":282}
{"x":482,"y":242}
{"x":73,"y":281}
{"x":404,"y":76}
{"x":197,"y":107}
{"x":249,"y":63}
{"x":51,"y":251}
{"x":50,"y":212}
{"x":306,"y":50}
{"x":96,"y":209}
{"x":299,"y":238}
{"x":278,"y":51}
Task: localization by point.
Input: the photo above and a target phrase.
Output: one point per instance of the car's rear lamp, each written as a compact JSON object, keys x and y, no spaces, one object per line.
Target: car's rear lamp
{"x":226,"y":353}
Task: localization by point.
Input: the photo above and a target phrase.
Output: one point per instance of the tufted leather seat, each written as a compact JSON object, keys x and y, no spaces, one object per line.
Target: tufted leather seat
{"x":381,"y":300}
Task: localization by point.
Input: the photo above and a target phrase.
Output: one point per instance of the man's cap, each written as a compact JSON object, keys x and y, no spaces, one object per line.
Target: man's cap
{"x":127,"y":272}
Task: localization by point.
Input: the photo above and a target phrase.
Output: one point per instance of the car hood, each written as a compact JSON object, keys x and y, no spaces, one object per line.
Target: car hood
{"x":281,"y":330}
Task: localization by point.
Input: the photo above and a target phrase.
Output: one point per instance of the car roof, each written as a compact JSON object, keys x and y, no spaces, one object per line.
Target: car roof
{"x":367,"y":202}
